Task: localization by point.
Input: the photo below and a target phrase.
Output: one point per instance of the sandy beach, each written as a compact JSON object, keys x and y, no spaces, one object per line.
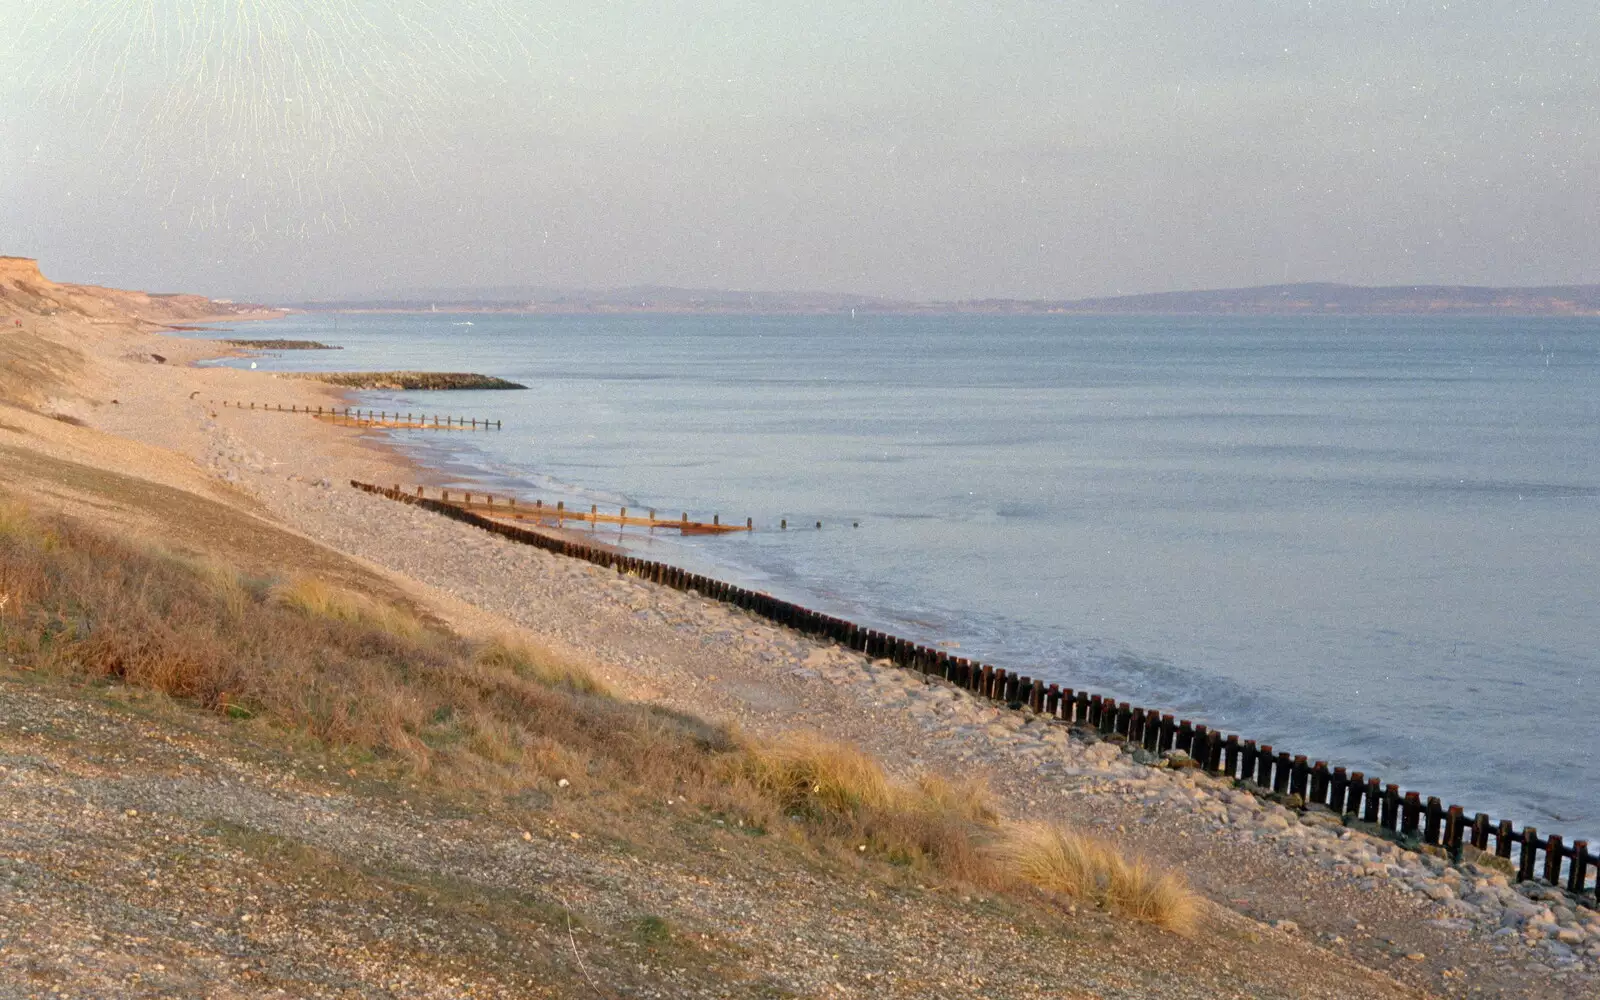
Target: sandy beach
{"x":1317,"y":908}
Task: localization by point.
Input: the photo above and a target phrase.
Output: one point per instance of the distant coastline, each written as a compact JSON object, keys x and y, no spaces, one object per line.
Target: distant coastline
{"x":1306,"y":299}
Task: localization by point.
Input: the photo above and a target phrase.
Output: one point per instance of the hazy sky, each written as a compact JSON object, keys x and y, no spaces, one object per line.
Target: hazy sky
{"x":298,"y":148}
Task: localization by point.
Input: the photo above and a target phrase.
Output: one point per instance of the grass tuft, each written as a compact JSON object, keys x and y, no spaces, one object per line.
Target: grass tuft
{"x":1074,"y":864}
{"x":652,"y":930}
{"x":312,"y":596}
{"x":14,"y":519}
{"x":541,"y":666}
{"x":807,"y":774}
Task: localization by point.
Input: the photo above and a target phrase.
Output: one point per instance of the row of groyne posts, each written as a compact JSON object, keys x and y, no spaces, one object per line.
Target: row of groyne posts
{"x":356,"y":417}
{"x":1404,"y":816}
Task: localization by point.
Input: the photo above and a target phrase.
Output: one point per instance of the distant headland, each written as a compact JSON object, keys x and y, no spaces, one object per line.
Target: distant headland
{"x":1313,"y":298}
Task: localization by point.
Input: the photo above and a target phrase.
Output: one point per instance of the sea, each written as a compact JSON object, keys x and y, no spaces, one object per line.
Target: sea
{"x":1373,"y":540}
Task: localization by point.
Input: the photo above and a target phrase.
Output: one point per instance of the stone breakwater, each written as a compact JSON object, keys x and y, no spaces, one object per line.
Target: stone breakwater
{"x":283,"y":345}
{"x":395,"y":381}
{"x":1530,"y":920}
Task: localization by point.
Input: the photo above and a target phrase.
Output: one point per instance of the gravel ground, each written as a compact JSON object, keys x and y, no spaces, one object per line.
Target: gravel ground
{"x":152,"y":851}
{"x":1319,"y":903}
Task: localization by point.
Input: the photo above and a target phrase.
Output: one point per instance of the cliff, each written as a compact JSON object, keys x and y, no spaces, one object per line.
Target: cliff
{"x":25,"y":291}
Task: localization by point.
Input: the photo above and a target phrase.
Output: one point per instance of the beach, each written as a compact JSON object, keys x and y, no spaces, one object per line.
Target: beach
{"x":1296,"y":888}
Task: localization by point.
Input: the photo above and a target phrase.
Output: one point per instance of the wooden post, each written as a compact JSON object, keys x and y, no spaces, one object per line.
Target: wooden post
{"x":1580,"y":862}
{"x":1433,"y":817}
{"x":1530,"y":848}
{"x":1283,"y":773}
{"x":1454,"y":830}
{"x":1552,"y":860}
{"x":1298,"y":774}
{"x":1264,"y":761}
{"x":1480,"y":831}
{"x":1231,"y":755}
{"x":1370,"y":812}
{"x":1391,"y":807}
{"x":1502,"y":839}
{"x":1352,"y":800}
{"x":1248,"y":753}
{"x":1338,"y":788}
{"x":1410,"y":814}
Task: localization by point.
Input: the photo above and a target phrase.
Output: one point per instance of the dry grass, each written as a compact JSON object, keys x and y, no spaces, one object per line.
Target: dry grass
{"x":502,"y":716}
{"x":537,"y":664}
{"x":1088,"y":868}
{"x":312,"y":596}
{"x":805,"y":773}
{"x":931,"y":824}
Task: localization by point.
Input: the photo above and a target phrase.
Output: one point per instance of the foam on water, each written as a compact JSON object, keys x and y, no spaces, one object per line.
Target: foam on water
{"x":1372,"y":541}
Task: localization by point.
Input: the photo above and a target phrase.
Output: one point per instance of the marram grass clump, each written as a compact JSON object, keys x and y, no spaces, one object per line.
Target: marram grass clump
{"x":541,"y":665}
{"x":315,"y":597}
{"x":1087,"y":868}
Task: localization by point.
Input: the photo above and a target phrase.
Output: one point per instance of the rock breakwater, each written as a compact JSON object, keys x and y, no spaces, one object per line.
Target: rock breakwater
{"x":408,"y":380}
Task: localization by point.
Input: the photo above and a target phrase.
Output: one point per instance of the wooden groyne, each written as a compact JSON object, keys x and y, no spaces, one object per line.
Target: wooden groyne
{"x":1359,"y":799}
{"x":508,"y":508}
{"x":356,"y":417}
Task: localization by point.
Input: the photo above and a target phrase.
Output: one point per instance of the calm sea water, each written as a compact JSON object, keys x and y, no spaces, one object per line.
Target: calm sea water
{"x":1375,"y":541}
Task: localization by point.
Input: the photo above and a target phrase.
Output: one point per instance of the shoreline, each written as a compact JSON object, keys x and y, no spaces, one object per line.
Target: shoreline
{"x":692,"y":653}
{"x":1299,"y":711}
{"x":1419,"y":872}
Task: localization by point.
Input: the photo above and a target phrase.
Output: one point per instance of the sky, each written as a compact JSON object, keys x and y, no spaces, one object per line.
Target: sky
{"x":299,"y":149}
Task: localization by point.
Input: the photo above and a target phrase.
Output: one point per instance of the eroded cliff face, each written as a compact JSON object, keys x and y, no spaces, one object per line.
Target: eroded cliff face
{"x":26,"y":292}
{"x":49,"y":331}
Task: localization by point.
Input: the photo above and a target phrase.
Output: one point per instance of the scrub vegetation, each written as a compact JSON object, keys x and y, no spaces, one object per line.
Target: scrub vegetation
{"x":507,"y":717}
